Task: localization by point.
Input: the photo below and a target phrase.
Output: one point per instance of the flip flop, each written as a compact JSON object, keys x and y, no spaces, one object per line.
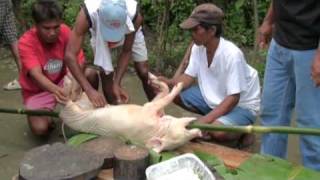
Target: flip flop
{"x":13,"y":85}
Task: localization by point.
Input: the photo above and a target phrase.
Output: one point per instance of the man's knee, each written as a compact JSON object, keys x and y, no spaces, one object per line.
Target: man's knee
{"x":220,"y":136}
{"x":92,"y":76}
{"x":142,"y":70}
{"x":40,"y":125}
{"x":223,"y":136}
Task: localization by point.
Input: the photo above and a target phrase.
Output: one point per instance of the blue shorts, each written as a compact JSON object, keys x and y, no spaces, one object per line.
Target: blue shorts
{"x":193,"y":98}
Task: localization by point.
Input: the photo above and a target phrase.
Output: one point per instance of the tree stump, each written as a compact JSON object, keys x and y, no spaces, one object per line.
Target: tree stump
{"x":103,"y":147}
{"x":59,"y":162}
{"x":130,"y":163}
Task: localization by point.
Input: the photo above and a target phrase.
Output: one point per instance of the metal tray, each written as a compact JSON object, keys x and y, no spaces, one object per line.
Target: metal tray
{"x":187,"y":167}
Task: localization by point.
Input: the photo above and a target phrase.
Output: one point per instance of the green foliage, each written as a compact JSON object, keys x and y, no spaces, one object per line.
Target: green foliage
{"x":71,"y":9}
{"x":161,"y":20}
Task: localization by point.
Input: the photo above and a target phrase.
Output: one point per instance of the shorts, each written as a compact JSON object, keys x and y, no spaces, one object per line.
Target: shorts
{"x":139,"y":49}
{"x":43,"y":100}
{"x":193,"y":98}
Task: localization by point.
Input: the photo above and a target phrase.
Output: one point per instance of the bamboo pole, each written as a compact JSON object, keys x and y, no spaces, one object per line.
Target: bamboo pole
{"x":257,"y":129}
{"x":30,"y":112}
{"x":204,"y":127}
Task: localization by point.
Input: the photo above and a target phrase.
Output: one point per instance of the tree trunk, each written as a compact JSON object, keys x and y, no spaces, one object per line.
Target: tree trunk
{"x":103,"y":147}
{"x":59,"y":161}
{"x":130,"y":163}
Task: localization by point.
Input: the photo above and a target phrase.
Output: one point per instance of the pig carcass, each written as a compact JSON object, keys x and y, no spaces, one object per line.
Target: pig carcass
{"x":145,"y":125}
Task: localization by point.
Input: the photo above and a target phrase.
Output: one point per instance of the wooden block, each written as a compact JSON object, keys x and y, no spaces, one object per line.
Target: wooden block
{"x":232,"y":158}
{"x":103,"y":147}
{"x":60,"y":162}
{"x":130,"y":163}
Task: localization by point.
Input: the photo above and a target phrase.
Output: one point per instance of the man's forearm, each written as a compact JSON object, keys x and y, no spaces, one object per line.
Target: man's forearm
{"x":223,"y":108}
{"x":184,"y":63}
{"x":269,"y":18}
{"x":42,"y":81}
{"x":122,"y":66}
{"x":77,"y":71}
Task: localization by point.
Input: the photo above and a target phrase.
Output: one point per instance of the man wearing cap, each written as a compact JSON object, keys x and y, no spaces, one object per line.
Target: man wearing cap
{"x":112,"y":23}
{"x":228,"y":90}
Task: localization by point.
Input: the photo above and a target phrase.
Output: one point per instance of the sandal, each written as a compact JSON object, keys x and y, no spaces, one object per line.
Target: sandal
{"x":13,"y":85}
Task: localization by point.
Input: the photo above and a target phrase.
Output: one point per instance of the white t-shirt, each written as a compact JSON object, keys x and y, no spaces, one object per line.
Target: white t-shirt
{"x":228,"y":74}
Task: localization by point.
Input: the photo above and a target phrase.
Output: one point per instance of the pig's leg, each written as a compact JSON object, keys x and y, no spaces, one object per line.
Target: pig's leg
{"x":71,"y":87}
{"x":159,"y":104}
{"x":164,"y":89}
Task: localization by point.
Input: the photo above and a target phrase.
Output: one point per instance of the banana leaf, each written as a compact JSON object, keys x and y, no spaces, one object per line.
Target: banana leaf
{"x":260,"y":167}
{"x":269,"y":168}
{"x":81,"y":138}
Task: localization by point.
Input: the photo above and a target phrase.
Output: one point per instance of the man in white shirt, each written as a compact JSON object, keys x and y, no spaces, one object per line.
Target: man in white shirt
{"x":111,"y":23}
{"x":228,"y":90}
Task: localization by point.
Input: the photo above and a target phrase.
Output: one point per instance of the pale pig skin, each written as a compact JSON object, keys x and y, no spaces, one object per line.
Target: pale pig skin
{"x":146,"y":125}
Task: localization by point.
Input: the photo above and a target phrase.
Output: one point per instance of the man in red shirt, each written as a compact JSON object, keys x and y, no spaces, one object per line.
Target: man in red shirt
{"x":42,"y":53}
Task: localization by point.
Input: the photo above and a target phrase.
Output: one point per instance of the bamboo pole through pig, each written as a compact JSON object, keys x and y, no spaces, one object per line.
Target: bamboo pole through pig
{"x":257,"y":129}
{"x":204,"y":127}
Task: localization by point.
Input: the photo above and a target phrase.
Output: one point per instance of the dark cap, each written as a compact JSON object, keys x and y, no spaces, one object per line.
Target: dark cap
{"x":204,"y":13}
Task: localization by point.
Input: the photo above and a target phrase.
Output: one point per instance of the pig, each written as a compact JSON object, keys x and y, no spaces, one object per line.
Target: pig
{"x":145,"y":125}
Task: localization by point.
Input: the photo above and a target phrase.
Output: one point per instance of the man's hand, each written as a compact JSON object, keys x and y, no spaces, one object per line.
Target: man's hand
{"x":204,"y":120}
{"x":96,"y":98}
{"x":264,"y":36}
{"x":315,"y":69}
{"x":60,"y":95}
{"x":121,"y":95}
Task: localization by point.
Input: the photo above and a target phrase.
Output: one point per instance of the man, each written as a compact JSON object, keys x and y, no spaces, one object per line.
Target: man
{"x":42,"y":52}
{"x":228,"y":89}
{"x":292,"y":75}
{"x":8,"y":34}
{"x":112,"y":23}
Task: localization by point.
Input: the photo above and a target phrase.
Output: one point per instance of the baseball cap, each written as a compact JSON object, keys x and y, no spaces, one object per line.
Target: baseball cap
{"x":204,"y":13}
{"x":113,"y":17}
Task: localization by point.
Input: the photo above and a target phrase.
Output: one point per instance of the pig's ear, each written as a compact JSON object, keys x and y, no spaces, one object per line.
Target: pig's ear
{"x":155,"y":143}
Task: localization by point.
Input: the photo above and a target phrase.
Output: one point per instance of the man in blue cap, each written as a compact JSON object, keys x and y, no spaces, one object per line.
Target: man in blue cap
{"x":112,"y":23}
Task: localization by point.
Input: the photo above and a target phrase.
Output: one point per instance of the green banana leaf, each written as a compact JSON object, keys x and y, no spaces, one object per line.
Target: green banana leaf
{"x":260,"y":167}
{"x":270,"y":168}
{"x":81,"y":138}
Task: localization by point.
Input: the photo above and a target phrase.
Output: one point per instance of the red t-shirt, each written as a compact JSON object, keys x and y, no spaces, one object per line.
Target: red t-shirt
{"x":49,"y":59}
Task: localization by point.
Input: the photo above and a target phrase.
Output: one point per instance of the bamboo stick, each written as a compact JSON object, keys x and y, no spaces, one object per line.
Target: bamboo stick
{"x":30,"y":112}
{"x":257,"y":129}
{"x":204,"y":127}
